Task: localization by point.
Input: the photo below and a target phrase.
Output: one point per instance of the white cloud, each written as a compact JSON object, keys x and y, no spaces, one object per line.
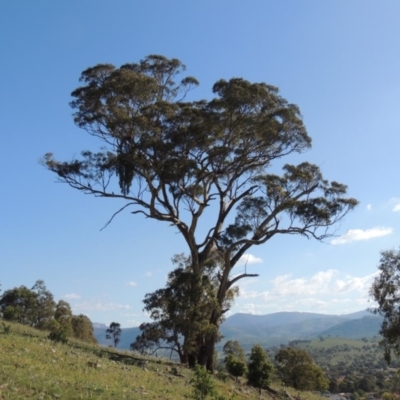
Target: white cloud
{"x":99,"y":306}
{"x":394,"y":203}
{"x":352,"y":283}
{"x":132,"y":284}
{"x":248,"y":308}
{"x":325,"y":285}
{"x":369,"y":207}
{"x":360,"y":234}
{"x":284,"y":286}
{"x":249,"y":259}
{"x":326,"y":292}
{"x":72,"y":296}
{"x":149,"y":274}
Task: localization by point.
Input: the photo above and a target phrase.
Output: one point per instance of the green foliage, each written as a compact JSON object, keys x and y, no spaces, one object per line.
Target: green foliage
{"x":361,"y":363}
{"x":58,"y":333}
{"x":6,"y":328}
{"x":222,"y":376}
{"x":45,"y":305}
{"x":63,"y":316}
{"x":385,"y":290}
{"x":181,"y":312}
{"x":235,"y":360}
{"x":259,"y":368}
{"x":297,"y":369}
{"x":202,"y":383}
{"x":366,"y":384}
{"x":233,"y":347}
{"x":235,"y":366}
{"x":387,"y":396}
{"x":114,"y":333}
{"x":82,"y":328}
{"x":34,"y":307}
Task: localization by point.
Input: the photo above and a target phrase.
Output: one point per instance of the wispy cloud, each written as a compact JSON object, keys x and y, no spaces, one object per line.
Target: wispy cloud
{"x":249,"y":259}
{"x":360,"y":234}
{"x":324,"y":292}
{"x":353,"y":283}
{"x":99,"y":306}
{"x":369,"y":207}
{"x":149,"y":274}
{"x":132,"y":284}
{"x":72,"y":296}
{"x":325,"y":283}
{"x":394,"y":203}
{"x":285,"y":286}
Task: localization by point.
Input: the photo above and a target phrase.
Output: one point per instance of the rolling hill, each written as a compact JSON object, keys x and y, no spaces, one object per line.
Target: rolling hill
{"x":275,"y":329}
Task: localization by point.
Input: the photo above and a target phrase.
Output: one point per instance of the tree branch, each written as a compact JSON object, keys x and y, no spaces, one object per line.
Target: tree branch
{"x":236,"y":278}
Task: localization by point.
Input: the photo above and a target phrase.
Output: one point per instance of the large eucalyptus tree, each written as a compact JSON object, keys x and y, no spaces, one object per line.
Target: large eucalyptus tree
{"x":174,"y":159}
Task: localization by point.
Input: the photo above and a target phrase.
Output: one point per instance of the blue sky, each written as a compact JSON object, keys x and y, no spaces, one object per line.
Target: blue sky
{"x":338,"y":60}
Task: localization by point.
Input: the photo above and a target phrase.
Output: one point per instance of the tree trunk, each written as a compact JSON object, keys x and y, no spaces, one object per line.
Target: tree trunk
{"x":191,"y":360}
{"x":208,"y":347}
{"x":183,"y":358}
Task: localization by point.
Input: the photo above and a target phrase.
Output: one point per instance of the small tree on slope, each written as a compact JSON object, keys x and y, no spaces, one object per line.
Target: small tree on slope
{"x":259,"y":368}
{"x":114,"y":333}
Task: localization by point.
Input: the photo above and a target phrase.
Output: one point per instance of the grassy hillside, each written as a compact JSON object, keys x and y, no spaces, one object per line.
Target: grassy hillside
{"x":333,"y":351}
{"x":269,"y":336}
{"x":33,"y":367}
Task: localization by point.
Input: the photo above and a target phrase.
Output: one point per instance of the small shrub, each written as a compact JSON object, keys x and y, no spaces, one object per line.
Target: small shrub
{"x":58,"y":336}
{"x":6,"y":328}
{"x":387,"y":396}
{"x":222,"y":376}
{"x":202,"y":383}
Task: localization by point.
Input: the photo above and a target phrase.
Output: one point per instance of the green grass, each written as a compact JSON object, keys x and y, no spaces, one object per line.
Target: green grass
{"x":33,"y":367}
{"x":332,"y":351}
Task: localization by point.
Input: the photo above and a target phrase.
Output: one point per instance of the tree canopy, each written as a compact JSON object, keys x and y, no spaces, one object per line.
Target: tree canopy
{"x":235,"y":359}
{"x":82,"y":328}
{"x":297,"y":369}
{"x":233,"y":348}
{"x":259,"y":368}
{"x":171,"y":160}
{"x":114,"y":332}
{"x":181,"y":311}
{"x":385,"y":290}
{"x":36,"y":307}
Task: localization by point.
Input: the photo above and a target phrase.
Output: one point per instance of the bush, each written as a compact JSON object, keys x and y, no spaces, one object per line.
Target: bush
{"x":297,"y":369}
{"x":58,"y":333}
{"x":235,"y":366}
{"x":58,"y":336}
{"x":259,"y":368}
{"x":222,"y":376}
{"x":202,"y":384}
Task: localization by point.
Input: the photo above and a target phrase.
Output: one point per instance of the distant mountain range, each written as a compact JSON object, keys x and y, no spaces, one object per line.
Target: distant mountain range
{"x":275,"y":329}
{"x":282,"y":327}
